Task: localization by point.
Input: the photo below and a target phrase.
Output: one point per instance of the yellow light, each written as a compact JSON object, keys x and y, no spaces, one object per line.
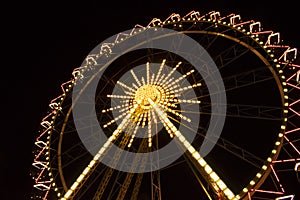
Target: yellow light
{"x":274,"y":151}
{"x":277,"y":143}
{"x":221,"y":184}
{"x":186,"y":144}
{"x":269,"y":159}
{"x":191,"y":149}
{"x":80,"y":178}
{"x":208,"y":169}
{"x":252,"y":182}
{"x":106,"y":144}
{"x":74,"y":186}
{"x":101,"y":151}
{"x":264,"y":167}
{"x":86,"y":170}
{"x":245,"y":190}
{"x":280,"y":135}
{"x":202,"y":162}
{"x":68,"y":194}
{"x":258,"y":175}
{"x":196,"y":155}
{"x":228,"y":193}
{"x":111,"y":138}
{"x":92,"y":163}
{"x":214,"y":176}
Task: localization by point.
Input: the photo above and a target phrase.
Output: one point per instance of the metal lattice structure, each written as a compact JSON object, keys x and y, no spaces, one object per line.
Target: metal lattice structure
{"x":54,"y":158}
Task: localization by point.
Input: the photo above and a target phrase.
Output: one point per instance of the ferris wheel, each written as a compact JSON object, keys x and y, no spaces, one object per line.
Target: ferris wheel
{"x":199,"y":106}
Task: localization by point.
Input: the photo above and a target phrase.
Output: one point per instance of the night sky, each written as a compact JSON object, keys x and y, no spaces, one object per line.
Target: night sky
{"x":48,"y":40}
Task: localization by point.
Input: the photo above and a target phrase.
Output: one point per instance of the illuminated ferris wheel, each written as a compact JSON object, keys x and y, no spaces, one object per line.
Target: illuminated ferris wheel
{"x":200,"y":106}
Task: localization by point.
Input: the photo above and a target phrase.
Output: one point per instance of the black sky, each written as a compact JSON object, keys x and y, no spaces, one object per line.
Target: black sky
{"x":48,"y":40}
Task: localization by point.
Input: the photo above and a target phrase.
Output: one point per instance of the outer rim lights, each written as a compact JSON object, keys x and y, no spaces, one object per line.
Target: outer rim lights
{"x":264,"y":167}
{"x":258,"y":175}
{"x":245,"y":190}
{"x":280,"y":135}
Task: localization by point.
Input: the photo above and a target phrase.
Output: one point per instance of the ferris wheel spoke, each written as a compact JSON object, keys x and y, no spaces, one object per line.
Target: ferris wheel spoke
{"x":116,"y":158}
{"x":244,"y":79}
{"x":93,"y":164}
{"x":233,"y":50}
{"x":139,"y":162}
{"x":247,"y":111}
{"x":218,"y":185}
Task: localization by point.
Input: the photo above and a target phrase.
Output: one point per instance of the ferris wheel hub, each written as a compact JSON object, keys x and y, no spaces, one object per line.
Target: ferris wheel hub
{"x":146,"y":92}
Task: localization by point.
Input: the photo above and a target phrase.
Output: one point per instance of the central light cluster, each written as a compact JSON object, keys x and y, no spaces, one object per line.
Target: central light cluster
{"x":154,"y":92}
{"x":144,"y":92}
